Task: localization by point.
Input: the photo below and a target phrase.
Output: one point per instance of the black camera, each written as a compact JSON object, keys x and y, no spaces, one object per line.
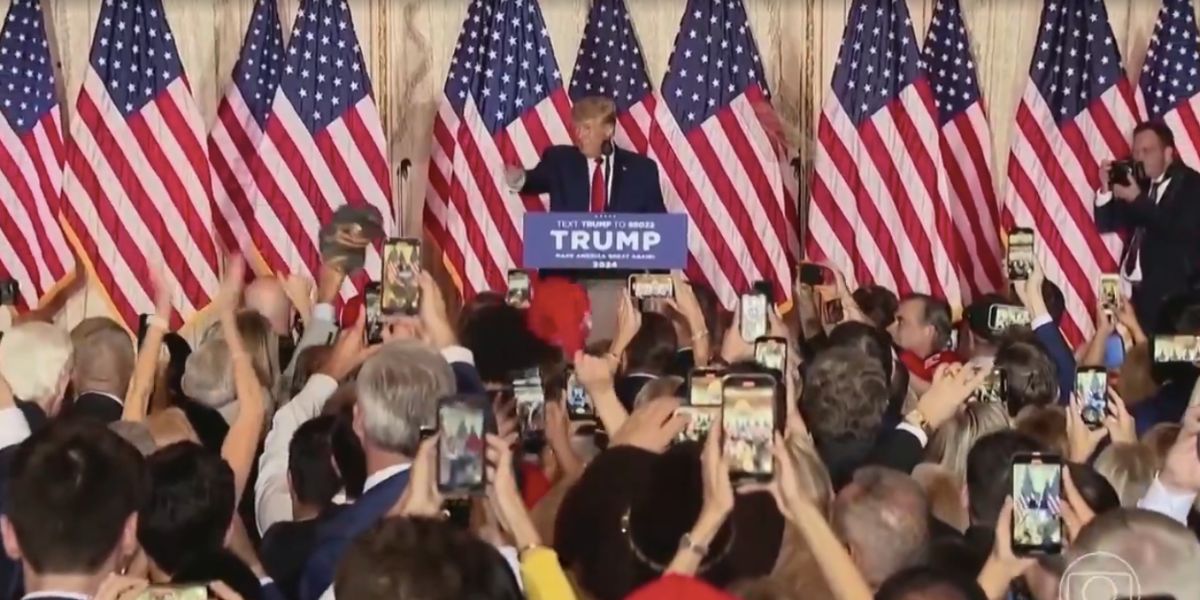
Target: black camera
{"x":1125,"y":172}
{"x":9,"y":291}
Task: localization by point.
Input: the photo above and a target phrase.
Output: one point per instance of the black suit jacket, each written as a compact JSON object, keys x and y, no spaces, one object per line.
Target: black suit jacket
{"x":563,"y":173}
{"x":96,"y":406}
{"x":1170,"y":251}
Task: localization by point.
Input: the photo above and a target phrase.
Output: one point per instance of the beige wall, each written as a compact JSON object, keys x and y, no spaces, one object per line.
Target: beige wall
{"x":408,"y":43}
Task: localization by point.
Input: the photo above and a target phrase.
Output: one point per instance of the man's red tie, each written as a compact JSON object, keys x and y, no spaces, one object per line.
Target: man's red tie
{"x":599,"y":189}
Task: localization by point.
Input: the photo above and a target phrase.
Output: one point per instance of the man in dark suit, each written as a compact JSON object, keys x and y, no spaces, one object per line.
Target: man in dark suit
{"x":101,"y":371}
{"x":593,"y":175}
{"x":1162,"y":211}
{"x":87,"y":481}
{"x":398,"y":391}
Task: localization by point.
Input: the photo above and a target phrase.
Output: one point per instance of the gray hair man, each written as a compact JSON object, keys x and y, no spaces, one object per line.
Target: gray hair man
{"x":35,"y":366}
{"x":882,"y":516}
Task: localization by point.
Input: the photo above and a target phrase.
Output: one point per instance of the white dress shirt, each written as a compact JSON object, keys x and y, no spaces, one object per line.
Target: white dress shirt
{"x":1103,"y":198}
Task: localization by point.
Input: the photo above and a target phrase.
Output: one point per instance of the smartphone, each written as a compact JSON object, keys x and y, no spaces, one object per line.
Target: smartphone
{"x":401,"y":264}
{"x":814,"y":275}
{"x":1110,"y":292}
{"x":463,"y":424}
{"x":1020,"y":258}
{"x":579,"y":404}
{"x":832,"y":312}
{"x":994,"y":388}
{"x":1003,"y":316}
{"x":174,"y":592}
{"x":749,"y":407}
{"x":771,"y":353}
{"x":1091,"y":385}
{"x":753,"y":316}
{"x":9,"y":291}
{"x":519,"y":291}
{"x":1176,"y":348}
{"x":1037,"y":526}
{"x":373,"y":322}
{"x":644,"y":286}
{"x":531,"y":405}
{"x":703,"y":403}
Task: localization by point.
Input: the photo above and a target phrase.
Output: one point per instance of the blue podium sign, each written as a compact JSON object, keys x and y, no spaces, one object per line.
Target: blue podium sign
{"x":605,"y":241}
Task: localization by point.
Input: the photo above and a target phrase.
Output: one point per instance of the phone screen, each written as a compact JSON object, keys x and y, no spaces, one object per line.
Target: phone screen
{"x":1110,"y":292}
{"x":373,"y":326}
{"x":579,"y":404}
{"x":642,"y":287}
{"x":994,"y":388}
{"x":1037,"y":504}
{"x":401,"y":263}
{"x":1003,"y":316}
{"x":748,"y":426}
{"x":531,"y":404}
{"x":1176,"y":348}
{"x":753,"y":316}
{"x":813,"y":275}
{"x":518,"y":289}
{"x":1091,"y":385}
{"x":771,"y":353}
{"x":704,"y":387}
{"x":1020,"y":254}
{"x":461,"y":446}
{"x":174,"y":592}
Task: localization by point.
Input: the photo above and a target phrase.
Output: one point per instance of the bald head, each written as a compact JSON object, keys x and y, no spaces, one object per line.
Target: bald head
{"x":265,"y":296}
{"x":883,"y":518}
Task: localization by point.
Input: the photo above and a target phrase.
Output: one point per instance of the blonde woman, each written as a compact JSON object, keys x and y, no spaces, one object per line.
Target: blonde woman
{"x":953,"y":440}
{"x":1130,"y":468}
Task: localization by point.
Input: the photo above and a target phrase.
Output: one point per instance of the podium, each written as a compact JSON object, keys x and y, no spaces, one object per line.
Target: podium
{"x":600,"y":250}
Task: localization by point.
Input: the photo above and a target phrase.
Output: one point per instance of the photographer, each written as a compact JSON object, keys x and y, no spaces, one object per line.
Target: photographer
{"x":1152,"y":197}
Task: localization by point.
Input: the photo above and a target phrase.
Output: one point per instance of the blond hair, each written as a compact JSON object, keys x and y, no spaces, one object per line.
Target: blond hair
{"x":952,"y":441}
{"x":1129,"y":468}
{"x":594,"y":107}
{"x":35,"y":359}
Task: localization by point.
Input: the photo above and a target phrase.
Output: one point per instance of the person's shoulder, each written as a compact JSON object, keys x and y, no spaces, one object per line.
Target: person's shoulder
{"x":559,"y":151}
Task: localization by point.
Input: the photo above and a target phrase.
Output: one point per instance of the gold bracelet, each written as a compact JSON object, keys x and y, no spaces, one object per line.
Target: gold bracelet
{"x":526,"y":548}
{"x":699,"y":335}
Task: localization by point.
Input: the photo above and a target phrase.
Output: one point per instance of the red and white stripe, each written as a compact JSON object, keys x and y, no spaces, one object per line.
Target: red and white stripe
{"x":33,"y":250}
{"x":303,"y":178}
{"x":1053,"y":175}
{"x":233,"y":151}
{"x":138,"y":193}
{"x":469,"y":209}
{"x":967,"y":154}
{"x":880,"y":209}
{"x":727,"y":177}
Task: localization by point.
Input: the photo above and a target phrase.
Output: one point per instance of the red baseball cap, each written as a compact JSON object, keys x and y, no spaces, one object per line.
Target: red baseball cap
{"x":672,"y":586}
{"x":560,"y":314}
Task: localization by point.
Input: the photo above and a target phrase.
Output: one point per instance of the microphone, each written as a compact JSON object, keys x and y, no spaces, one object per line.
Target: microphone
{"x":607,"y":148}
{"x":405,"y":164}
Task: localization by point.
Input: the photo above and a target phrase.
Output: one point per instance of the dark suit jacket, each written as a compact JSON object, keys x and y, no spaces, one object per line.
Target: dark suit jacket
{"x":96,"y":406}
{"x":335,"y":536}
{"x":287,"y":546}
{"x":563,"y":173}
{"x":1170,"y":252}
{"x":1051,"y":339}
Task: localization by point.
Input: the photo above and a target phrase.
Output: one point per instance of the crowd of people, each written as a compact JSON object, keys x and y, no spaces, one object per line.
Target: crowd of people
{"x":272,"y":463}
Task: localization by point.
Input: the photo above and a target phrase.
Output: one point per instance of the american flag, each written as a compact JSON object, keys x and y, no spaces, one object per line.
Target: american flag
{"x":138,"y":189}
{"x":1076,"y":111}
{"x":610,"y":64}
{"x":1170,"y":79}
{"x":720,"y":147}
{"x":880,"y":209}
{"x":234,"y":140}
{"x":323,"y":145}
{"x":503,"y":103}
{"x":966,"y":147}
{"x":33,"y":250}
